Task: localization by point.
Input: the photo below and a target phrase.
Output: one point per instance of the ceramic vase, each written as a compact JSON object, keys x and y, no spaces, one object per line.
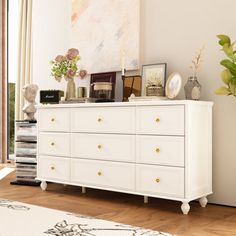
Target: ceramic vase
{"x":70,"y":89}
{"x":192,"y":89}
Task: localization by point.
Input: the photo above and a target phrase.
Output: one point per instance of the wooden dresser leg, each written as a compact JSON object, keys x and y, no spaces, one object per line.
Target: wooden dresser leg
{"x":203,"y":201}
{"x":43,"y":185}
{"x":185,"y":207}
{"x":83,"y":190}
{"x":146,"y":199}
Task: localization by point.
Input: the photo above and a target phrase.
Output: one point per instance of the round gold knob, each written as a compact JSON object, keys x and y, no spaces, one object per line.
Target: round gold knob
{"x":158,"y":150}
{"x":158,"y":120}
{"x":52,"y":168}
{"x":99,"y":119}
{"x":52,"y":144}
{"x":99,"y":146}
{"x":158,"y":180}
{"x":53,"y":119}
{"x":99,"y":173}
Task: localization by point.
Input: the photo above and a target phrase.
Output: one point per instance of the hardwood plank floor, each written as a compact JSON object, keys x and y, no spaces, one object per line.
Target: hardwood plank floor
{"x":159,"y":214}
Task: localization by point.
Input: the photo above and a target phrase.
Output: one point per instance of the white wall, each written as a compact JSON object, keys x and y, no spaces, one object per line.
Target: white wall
{"x":171,"y":31}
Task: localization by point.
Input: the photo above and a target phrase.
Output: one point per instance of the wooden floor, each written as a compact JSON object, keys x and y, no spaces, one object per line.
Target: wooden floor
{"x":129,"y":209}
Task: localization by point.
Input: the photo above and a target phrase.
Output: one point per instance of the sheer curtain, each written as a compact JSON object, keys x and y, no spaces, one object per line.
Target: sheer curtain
{"x":3,"y":81}
{"x":24,"y":54}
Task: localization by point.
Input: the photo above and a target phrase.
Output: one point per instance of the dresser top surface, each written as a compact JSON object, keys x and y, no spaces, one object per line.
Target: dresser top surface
{"x":128,"y":104}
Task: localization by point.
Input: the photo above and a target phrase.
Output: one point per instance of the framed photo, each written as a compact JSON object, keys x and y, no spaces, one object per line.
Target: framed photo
{"x":154,"y":79}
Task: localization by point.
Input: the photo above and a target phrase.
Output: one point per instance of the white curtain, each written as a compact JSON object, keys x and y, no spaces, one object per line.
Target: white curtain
{"x":24,"y":54}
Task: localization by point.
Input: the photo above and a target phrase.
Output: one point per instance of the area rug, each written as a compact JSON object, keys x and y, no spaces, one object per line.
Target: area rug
{"x":5,"y":171}
{"x":20,"y":219}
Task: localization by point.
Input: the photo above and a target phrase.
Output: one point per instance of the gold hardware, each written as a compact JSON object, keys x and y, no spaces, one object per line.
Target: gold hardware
{"x":99,"y":173}
{"x":52,"y":168}
{"x":158,"y":180}
{"x":52,"y":144}
{"x":158,"y":150}
{"x":53,"y":119}
{"x":99,"y":146}
{"x":99,"y":119}
{"x":158,"y":120}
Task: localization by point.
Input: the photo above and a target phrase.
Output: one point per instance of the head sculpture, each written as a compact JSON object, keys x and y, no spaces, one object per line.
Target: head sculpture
{"x":29,"y":93}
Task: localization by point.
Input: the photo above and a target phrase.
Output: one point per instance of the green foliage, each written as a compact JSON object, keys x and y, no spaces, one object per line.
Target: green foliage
{"x":11,"y":87}
{"x":228,"y":76}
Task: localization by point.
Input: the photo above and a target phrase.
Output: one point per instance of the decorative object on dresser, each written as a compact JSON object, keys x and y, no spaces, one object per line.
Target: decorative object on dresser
{"x":131,"y":85}
{"x":154,"y":79}
{"x":192,"y":88}
{"x":102,"y":87}
{"x":65,"y":66}
{"x":163,"y":149}
{"x":25,"y":153}
{"x":50,"y":96}
{"x":173,"y":85}
{"x":29,"y":93}
{"x":228,"y":75}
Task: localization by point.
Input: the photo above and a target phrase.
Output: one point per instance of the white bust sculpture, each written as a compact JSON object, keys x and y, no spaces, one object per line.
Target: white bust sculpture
{"x":30,"y":92}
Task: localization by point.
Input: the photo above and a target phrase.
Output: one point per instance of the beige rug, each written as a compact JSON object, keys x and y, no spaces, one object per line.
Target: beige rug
{"x":20,"y":219}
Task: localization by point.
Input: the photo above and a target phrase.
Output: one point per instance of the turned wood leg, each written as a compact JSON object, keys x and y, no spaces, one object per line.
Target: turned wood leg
{"x":185,"y":207}
{"x":203,"y":201}
{"x":83,"y":190}
{"x":43,"y":185}
{"x":146,"y":199}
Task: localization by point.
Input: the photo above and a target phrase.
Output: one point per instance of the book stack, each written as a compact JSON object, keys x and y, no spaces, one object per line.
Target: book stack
{"x":25,"y":153}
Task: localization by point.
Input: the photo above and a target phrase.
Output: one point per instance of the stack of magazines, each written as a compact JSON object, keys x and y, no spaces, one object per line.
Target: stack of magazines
{"x":25,"y":152}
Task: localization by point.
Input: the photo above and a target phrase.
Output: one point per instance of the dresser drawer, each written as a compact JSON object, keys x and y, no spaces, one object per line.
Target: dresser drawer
{"x":103,"y":147}
{"x":103,"y":120}
{"x":161,"y":120}
{"x":56,"y":168}
{"x":101,"y":173}
{"x":57,"y":144}
{"x":159,"y":180}
{"x":162,"y":150}
{"x":57,"y":119}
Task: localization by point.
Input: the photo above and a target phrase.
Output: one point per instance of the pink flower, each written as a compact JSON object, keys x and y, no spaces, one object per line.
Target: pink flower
{"x":72,"y":53}
{"x":60,"y":58}
{"x":82,"y":73}
{"x":70,"y":73}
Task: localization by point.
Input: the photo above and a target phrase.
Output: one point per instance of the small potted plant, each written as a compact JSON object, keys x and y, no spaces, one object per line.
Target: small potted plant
{"x":228,"y":75}
{"x":65,"y":66}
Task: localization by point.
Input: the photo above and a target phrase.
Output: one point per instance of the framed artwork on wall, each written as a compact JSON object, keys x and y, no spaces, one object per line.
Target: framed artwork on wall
{"x":154,"y":79}
{"x":106,"y":33}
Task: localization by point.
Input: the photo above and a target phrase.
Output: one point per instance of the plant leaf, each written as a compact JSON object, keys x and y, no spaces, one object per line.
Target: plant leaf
{"x":229,"y":51}
{"x":223,"y":39}
{"x":232,"y":88}
{"x":229,"y":65}
{"x":222,"y":91}
{"x":226,"y":76}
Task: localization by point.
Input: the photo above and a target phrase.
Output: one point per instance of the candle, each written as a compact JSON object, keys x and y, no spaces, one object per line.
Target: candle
{"x":123,"y":63}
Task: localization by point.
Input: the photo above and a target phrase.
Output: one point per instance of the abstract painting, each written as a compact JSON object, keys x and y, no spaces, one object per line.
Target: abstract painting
{"x":106,"y":33}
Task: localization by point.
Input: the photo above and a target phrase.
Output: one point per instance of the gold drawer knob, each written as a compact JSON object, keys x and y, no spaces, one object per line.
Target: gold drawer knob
{"x":53,"y":119}
{"x":99,"y":119}
{"x":52,"y":143}
{"x":99,"y":146}
{"x":52,"y":168}
{"x":158,"y":120}
{"x":158,"y":180}
{"x":99,"y":173}
{"x":158,"y":150}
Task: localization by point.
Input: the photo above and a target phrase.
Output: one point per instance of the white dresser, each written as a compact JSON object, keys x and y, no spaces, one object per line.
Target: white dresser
{"x":158,"y":149}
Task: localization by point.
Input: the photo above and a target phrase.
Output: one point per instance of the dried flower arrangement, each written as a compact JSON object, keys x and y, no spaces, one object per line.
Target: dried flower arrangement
{"x":197,"y":61}
{"x":228,"y":75}
{"x":65,"y":66}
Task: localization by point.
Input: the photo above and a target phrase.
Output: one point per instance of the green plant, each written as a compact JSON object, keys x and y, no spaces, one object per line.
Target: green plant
{"x":65,"y":66}
{"x":228,"y":75}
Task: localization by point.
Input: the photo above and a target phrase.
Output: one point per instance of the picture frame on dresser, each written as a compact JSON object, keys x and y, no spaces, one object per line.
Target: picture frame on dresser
{"x":153,"y":76}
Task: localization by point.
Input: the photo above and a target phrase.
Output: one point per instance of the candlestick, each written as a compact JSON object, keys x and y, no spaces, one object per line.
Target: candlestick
{"x":123,"y":63}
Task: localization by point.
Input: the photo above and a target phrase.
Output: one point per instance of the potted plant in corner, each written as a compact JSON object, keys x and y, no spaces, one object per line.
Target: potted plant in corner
{"x":228,"y":75}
